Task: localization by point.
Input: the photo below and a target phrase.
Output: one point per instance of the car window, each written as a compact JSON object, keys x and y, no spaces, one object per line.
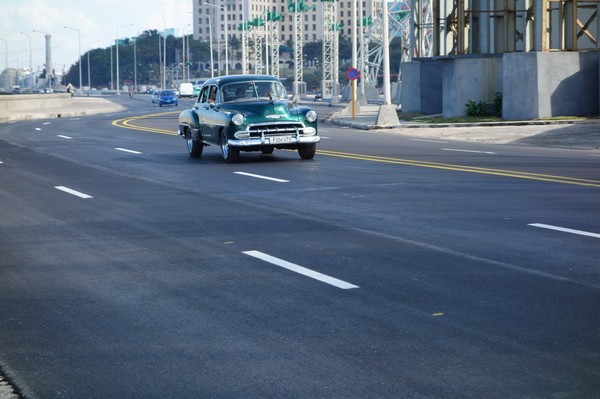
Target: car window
{"x":212,"y":95}
{"x":273,"y":90}
{"x":167,"y":93}
{"x":253,"y":90}
{"x":203,"y":96}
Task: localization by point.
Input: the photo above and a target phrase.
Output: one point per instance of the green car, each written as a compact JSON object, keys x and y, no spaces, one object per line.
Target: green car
{"x":248,"y":113}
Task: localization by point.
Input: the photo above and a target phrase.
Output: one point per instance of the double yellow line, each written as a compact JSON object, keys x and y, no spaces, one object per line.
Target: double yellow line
{"x":462,"y":168}
{"x":128,"y":123}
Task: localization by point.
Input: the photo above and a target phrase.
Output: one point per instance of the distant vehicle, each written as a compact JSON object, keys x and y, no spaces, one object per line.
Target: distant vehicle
{"x":186,"y":90}
{"x":16,"y":89}
{"x":248,"y":113}
{"x":167,"y":97}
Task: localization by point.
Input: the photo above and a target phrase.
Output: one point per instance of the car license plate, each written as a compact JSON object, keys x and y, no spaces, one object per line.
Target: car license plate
{"x":281,"y":139}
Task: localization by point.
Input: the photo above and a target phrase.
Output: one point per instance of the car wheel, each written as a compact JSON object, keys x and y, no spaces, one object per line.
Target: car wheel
{"x":267,"y":149}
{"x":307,"y":151}
{"x":230,"y":154}
{"x":195,"y":148}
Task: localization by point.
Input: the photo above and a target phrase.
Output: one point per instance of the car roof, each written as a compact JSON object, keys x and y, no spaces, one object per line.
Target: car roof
{"x":222,"y":80}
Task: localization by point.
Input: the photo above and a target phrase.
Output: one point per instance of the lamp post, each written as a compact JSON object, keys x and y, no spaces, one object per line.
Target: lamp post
{"x":5,"y":52}
{"x":117,"y":41}
{"x":79,"y":37}
{"x":88,"y":65}
{"x":183,"y":53}
{"x":30,"y":56}
{"x":212,"y":65}
{"x":224,"y":9}
{"x":164,"y":81}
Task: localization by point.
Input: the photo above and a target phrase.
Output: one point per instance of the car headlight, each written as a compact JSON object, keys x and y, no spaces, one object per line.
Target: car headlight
{"x":237,"y":119}
{"x":311,"y":116}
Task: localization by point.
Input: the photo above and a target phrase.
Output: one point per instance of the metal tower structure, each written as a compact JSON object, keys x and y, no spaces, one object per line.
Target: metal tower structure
{"x":244,"y":28}
{"x":273,"y":18}
{"x":257,"y":39}
{"x":412,"y":21}
{"x":297,"y":7}
{"x":330,"y":50}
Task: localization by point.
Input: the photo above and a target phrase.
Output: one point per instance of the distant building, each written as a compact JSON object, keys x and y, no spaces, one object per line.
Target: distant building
{"x":235,"y":12}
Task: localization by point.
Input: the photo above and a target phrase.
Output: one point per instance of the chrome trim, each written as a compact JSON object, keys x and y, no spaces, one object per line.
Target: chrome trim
{"x":261,"y":141}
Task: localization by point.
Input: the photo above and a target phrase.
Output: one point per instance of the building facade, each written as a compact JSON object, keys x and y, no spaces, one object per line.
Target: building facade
{"x":215,"y":18}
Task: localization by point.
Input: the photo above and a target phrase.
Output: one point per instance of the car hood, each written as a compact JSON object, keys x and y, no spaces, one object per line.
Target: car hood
{"x":278,"y":109}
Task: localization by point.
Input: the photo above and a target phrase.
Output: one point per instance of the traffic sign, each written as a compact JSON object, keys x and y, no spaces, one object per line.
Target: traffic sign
{"x":352,"y":74}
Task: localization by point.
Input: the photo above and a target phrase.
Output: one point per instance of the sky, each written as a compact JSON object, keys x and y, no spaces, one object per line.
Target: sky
{"x":97,"y":20}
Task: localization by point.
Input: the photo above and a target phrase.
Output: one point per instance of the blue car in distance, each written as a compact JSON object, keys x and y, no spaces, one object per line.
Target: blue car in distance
{"x":167,"y":97}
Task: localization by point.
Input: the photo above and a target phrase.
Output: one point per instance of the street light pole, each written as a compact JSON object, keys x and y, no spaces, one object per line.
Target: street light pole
{"x":212,"y":64}
{"x":164,"y":81}
{"x":79,"y":37}
{"x":30,"y":57}
{"x":224,"y":9}
{"x":5,"y":52}
{"x":88,"y":65}
{"x":183,"y":53}
{"x":117,"y":43}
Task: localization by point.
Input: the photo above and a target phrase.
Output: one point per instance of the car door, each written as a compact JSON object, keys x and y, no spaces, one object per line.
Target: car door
{"x":213,"y":117}
{"x":203,"y":110}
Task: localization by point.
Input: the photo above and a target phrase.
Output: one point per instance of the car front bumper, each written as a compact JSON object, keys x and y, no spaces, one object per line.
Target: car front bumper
{"x":281,"y":140}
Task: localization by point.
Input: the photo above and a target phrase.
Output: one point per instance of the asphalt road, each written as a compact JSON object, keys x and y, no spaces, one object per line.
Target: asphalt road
{"x":387,"y":267}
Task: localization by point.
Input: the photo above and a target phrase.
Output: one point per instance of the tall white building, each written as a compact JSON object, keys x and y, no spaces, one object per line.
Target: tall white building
{"x":214,"y":17}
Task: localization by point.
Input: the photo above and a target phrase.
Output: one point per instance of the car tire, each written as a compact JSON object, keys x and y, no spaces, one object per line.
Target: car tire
{"x":307,"y":151}
{"x":230,"y":154}
{"x":195,"y":147}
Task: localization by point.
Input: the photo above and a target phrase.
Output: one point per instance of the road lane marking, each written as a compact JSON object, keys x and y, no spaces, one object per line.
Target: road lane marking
{"x":73,"y":192}
{"x":38,"y":129}
{"x":430,"y":141}
{"x":565,"y":230}
{"x":462,"y":168}
{"x":46,"y":123}
{"x":126,"y":150}
{"x":262,"y":177}
{"x":301,"y":270}
{"x":128,"y":123}
{"x":64,"y":137}
{"x":472,"y":151}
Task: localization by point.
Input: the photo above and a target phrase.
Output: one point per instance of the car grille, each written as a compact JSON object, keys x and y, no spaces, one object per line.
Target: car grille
{"x":256,"y":130}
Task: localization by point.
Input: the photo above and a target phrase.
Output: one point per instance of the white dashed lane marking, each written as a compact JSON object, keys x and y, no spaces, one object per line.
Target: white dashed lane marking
{"x":301,"y":270}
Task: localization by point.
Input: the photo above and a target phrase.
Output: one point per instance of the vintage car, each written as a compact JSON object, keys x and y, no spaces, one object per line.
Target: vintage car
{"x":248,"y":113}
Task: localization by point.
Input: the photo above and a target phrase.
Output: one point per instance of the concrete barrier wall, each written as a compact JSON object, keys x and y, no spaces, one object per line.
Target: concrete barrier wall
{"x":533,"y":85}
{"x":422,"y":86}
{"x":541,"y":85}
{"x":466,"y":78}
{"x":27,"y":102}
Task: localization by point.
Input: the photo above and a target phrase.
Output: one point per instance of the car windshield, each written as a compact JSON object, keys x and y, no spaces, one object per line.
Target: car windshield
{"x":167,"y":93}
{"x":253,"y":90}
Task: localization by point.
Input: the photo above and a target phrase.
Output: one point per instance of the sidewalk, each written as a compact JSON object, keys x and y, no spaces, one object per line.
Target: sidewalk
{"x":579,"y":134}
{"x":79,"y":106}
